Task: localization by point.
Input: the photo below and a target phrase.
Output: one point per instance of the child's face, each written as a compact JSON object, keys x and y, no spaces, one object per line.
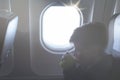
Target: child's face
{"x":88,"y":52}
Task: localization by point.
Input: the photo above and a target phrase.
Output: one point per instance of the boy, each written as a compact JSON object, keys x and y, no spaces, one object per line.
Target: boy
{"x":90,"y":42}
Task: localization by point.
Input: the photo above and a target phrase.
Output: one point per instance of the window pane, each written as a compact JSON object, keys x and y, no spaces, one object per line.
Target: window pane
{"x":58,"y":25}
{"x":116,"y":44}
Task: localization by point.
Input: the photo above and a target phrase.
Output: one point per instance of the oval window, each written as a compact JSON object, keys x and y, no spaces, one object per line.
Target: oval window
{"x":57,"y":24}
{"x":116,"y":44}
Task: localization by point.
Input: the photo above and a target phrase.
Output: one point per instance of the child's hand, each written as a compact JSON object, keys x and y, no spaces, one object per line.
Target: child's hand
{"x":67,"y":61}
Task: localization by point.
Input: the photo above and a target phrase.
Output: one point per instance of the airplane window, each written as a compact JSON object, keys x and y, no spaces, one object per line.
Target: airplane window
{"x":113,"y":46}
{"x":57,"y":26}
{"x":116,"y":45}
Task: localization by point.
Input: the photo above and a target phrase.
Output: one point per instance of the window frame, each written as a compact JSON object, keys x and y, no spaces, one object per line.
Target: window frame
{"x":41,"y":29}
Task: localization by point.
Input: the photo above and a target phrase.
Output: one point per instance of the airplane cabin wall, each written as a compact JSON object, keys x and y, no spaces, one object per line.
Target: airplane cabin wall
{"x":31,"y":61}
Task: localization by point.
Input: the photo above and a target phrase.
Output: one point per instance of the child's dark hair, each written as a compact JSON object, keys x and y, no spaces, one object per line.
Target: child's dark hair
{"x":92,"y":33}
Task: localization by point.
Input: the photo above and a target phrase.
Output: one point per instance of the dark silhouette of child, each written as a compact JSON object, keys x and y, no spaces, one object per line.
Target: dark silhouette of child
{"x":90,"y":62}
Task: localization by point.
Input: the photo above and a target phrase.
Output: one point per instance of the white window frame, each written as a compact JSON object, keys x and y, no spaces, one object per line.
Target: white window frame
{"x":41,"y":32}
